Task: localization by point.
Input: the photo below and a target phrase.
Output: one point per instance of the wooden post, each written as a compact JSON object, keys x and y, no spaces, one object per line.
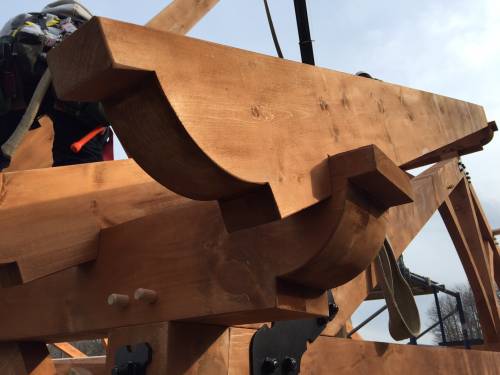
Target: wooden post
{"x":178,"y":348}
{"x":461,"y":221}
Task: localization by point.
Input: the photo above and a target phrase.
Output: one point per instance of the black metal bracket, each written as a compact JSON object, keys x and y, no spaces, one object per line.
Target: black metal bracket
{"x":132,"y":360}
{"x":278,"y":350}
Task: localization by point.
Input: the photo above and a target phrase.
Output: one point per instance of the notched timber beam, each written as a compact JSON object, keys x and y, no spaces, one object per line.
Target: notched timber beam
{"x":329,"y":355}
{"x":460,"y":219}
{"x":50,"y":219}
{"x":178,"y":348}
{"x":218,"y":133}
{"x":185,"y":255}
{"x":35,"y":151}
{"x":365,"y":184}
{"x":488,"y":236}
{"x":430,"y":188}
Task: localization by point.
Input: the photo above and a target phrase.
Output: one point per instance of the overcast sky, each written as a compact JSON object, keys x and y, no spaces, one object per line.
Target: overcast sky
{"x":446,"y":47}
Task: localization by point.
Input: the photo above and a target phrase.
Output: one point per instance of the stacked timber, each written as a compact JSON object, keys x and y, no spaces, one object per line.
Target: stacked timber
{"x":260,"y":185}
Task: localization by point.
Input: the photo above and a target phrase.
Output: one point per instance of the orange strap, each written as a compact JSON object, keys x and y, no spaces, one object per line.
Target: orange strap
{"x":77,"y":146}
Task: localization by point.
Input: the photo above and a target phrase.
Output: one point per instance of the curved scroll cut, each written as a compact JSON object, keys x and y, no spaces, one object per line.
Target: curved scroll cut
{"x":216,"y":123}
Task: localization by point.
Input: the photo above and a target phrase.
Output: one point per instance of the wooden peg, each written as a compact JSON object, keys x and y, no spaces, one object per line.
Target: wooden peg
{"x":120,"y":300}
{"x":146,"y":295}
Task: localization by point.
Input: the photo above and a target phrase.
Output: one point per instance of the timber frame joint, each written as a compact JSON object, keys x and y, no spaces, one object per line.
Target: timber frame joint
{"x":279,"y":349}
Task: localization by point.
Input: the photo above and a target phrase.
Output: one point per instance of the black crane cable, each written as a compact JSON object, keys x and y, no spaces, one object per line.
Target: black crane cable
{"x":273,"y":31}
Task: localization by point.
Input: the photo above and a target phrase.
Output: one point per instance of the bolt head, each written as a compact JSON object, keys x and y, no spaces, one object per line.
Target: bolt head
{"x":290,"y":364}
{"x":270,"y":365}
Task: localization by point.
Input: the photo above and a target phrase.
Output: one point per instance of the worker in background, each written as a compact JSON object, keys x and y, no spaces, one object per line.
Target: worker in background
{"x":24,"y":43}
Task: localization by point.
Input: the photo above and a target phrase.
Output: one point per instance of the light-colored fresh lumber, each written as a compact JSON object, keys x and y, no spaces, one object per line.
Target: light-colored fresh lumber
{"x":431,"y":188}
{"x":50,"y":219}
{"x":488,"y":235}
{"x":460,"y":219}
{"x":178,"y":348}
{"x":329,"y":355}
{"x":69,"y":349}
{"x":223,"y":122}
{"x":186,"y":255}
{"x":181,"y":15}
{"x":35,"y":151}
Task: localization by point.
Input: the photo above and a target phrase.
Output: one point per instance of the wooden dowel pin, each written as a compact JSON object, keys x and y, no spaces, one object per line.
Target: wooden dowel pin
{"x":146,"y":295}
{"x":119,"y":300}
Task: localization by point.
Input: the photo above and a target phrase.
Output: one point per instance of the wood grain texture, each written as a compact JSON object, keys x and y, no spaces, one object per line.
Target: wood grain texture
{"x":50,"y":219}
{"x":328,"y":355}
{"x":237,"y":120}
{"x":69,"y":349}
{"x":365,"y":183}
{"x":186,"y":252}
{"x":178,"y":348}
{"x":460,"y":220}
{"x":35,"y":151}
{"x":181,"y":15}
{"x":186,"y":255}
{"x":488,"y":236}
{"x":431,"y":188}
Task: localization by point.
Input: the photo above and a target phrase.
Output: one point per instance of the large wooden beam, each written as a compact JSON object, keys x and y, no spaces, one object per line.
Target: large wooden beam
{"x":198,"y":349}
{"x":35,"y":151}
{"x":460,"y":219}
{"x":329,"y":355}
{"x":431,"y":188}
{"x":69,"y":349}
{"x":50,"y":219}
{"x":181,"y":15}
{"x":223,"y":123}
{"x":186,"y":255}
{"x":488,"y":236}
{"x":71,"y":242}
{"x":178,"y":348}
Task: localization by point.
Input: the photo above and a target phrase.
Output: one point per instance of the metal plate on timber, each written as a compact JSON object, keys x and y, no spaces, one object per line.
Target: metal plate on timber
{"x":133,"y":360}
{"x":278,"y":350}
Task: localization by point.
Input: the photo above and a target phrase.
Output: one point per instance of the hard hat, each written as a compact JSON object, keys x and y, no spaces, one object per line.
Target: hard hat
{"x":68,"y":8}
